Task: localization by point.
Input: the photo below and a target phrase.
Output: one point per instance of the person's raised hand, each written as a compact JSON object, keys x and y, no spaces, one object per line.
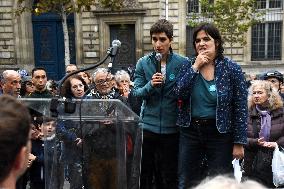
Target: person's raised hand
{"x":201,"y":60}
{"x":270,"y":144}
{"x":31,"y":159}
{"x":157,"y":79}
{"x":260,"y":141}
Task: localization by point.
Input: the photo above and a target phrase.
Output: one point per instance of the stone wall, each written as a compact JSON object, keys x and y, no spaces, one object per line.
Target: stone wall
{"x":144,"y":13}
{"x":176,"y":14}
{"x":7,"y":40}
{"x":16,"y":40}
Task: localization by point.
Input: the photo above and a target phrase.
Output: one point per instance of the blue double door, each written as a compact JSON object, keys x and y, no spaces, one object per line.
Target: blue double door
{"x":49,"y":44}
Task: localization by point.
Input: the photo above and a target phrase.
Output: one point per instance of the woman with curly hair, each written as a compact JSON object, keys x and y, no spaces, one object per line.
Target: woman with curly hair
{"x":265,"y":131}
{"x":70,"y":133}
{"x":74,"y":87}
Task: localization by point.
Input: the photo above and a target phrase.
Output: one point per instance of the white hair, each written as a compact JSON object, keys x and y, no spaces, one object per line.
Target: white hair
{"x":8,"y":73}
{"x":100,"y":70}
{"x":121,"y":74}
{"x":223,"y":182}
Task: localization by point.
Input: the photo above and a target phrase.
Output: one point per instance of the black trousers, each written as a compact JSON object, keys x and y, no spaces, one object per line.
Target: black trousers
{"x":159,"y":161}
{"x":203,"y":152}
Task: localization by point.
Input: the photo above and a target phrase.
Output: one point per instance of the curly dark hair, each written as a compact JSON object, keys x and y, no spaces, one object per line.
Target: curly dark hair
{"x":66,"y":88}
{"x":211,"y":30}
{"x":161,"y":26}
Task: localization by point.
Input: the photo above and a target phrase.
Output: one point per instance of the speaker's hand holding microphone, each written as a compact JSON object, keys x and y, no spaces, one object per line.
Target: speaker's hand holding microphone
{"x":158,"y":78}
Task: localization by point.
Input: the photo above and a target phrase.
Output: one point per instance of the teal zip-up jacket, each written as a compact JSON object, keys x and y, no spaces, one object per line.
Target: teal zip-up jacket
{"x":159,"y":108}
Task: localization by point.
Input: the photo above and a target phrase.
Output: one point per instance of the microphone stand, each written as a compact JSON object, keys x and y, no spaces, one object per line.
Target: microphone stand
{"x":54,"y":101}
{"x":70,"y":106}
{"x":84,"y":69}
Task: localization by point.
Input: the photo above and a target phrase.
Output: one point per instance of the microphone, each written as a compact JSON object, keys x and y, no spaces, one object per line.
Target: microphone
{"x":158,"y":57}
{"x":113,"y":52}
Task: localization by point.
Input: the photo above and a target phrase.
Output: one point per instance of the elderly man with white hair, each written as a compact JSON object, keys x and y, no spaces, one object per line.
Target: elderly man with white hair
{"x":11,"y":83}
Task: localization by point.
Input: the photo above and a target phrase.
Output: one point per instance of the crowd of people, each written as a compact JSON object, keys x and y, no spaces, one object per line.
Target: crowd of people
{"x":197,"y":115}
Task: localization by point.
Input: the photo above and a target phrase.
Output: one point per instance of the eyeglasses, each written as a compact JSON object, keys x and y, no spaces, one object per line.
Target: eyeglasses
{"x":101,"y":82}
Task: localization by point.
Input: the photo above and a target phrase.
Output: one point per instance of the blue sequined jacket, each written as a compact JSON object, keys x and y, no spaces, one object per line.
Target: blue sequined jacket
{"x":231,"y":111}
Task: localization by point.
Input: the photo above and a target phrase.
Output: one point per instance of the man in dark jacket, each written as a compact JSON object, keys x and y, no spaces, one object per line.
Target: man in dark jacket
{"x":276,"y":78}
{"x":39,"y":79}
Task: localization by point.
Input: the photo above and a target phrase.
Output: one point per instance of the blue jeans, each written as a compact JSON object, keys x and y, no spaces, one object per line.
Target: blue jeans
{"x":203,"y":151}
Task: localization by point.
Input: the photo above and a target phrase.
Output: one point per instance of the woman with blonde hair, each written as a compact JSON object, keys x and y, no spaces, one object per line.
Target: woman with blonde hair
{"x":265,"y":131}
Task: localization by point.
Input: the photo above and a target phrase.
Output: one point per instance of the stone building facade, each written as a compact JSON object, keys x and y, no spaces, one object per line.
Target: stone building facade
{"x":94,"y":31}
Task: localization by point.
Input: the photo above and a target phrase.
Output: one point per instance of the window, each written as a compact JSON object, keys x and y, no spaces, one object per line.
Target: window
{"x":265,"y":4}
{"x":275,"y":3}
{"x":193,"y":6}
{"x":189,"y":41}
{"x":261,"y":4}
{"x":266,"y":41}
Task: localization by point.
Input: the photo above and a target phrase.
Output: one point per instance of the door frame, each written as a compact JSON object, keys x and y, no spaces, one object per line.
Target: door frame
{"x":104,"y":33}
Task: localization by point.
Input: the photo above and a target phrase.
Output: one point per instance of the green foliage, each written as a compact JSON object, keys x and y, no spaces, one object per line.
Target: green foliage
{"x":232,"y":17}
{"x":112,"y":4}
{"x":66,"y":6}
